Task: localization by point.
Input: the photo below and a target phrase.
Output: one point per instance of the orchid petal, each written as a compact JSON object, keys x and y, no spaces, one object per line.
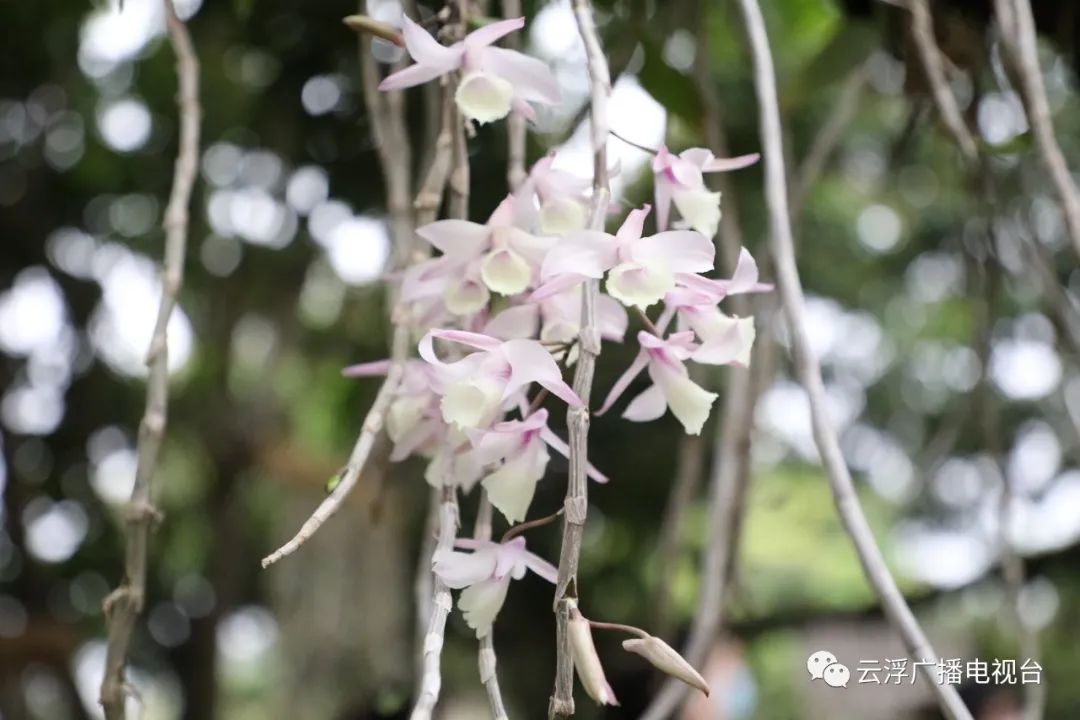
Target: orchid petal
{"x":467,"y":297}
{"x":686,"y":173}
{"x":620,"y":386}
{"x":611,"y":318}
{"x":425,"y":279}
{"x":662,"y":197}
{"x":511,"y":560}
{"x":559,"y":445}
{"x":531,"y":78}
{"x":713,"y":291}
{"x":562,"y":215}
{"x":426,"y":350}
{"x":503,"y":214}
{"x":523,"y":109}
{"x":689,"y":402}
{"x":633,"y":225}
{"x":412,"y":440}
{"x":745,"y":277}
{"x":405,"y":413}
{"x":456,"y":238}
{"x":585,"y":252}
{"x":484,"y":97}
{"x":469,"y":543}
{"x":729,"y":164}
{"x":684,"y":251}
{"x":426,"y":50}
{"x":505,"y":272}
{"x":458,"y":569}
{"x":412,"y":76}
{"x":480,"y":603}
{"x":471,"y":403}
{"x":520,"y":321}
{"x":463,"y":337}
{"x":700,"y":208}
{"x":511,"y":488}
{"x":661,"y":160}
{"x":491,"y":32}
{"x":638,"y":285}
{"x":369,"y":369}
{"x":531,"y":247}
{"x":677,"y":345}
{"x":530,"y":362}
{"x":556,"y":286}
{"x":732,"y":346}
{"x":647,"y":406}
{"x":699,"y":157}
{"x":541,"y":567}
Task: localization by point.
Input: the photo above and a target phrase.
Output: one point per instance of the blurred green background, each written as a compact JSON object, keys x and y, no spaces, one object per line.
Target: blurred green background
{"x":949,"y":367}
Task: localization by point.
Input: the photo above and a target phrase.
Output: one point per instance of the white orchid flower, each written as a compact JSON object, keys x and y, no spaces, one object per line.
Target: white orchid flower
{"x":678,"y":179}
{"x":485,"y":574}
{"x":494,"y":80}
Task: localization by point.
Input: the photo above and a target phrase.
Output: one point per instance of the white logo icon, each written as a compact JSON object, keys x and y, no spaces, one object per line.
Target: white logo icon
{"x":836,"y":675}
{"x":822,"y":665}
{"x":817,"y":663}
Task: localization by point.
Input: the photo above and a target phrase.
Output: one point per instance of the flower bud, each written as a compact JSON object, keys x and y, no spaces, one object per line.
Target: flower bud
{"x":667,"y":660}
{"x":589,"y":670}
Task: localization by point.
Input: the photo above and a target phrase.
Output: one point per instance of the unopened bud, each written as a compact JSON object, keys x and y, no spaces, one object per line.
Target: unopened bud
{"x":365,"y":24}
{"x":667,"y":660}
{"x":589,"y":670}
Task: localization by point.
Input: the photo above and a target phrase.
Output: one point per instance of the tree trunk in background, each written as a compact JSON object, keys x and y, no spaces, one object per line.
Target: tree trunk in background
{"x":344,"y":602}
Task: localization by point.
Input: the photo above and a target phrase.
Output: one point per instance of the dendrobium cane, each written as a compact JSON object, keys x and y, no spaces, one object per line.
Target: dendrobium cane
{"x":679,"y":178}
{"x":494,"y":80}
{"x":485,"y":575}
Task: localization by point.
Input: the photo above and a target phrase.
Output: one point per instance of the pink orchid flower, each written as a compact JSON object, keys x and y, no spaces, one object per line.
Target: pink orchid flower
{"x":679,"y":178}
{"x":640,"y":269}
{"x":517,"y":450}
{"x":520,"y":446}
{"x":672,"y":387}
{"x":497,"y":256}
{"x":485,"y":575}
{"x":725,"y":339}
{"x":494,"y":80}
{"x":554,"y":201}
{"x":474,"y":389}
{"x":561,"y":196}
{"x":558,"y":319}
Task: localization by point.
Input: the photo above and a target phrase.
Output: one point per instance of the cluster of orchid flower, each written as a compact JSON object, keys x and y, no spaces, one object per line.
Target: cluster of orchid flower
{"x":503,"y":301}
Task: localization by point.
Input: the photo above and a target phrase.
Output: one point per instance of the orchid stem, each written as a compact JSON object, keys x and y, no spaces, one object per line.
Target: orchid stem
{"x":647,"y":322}
{"x":530,"y":525}
{"x":537,"y":402}
{"x":631,"y":143}
{"x":619,"y":627}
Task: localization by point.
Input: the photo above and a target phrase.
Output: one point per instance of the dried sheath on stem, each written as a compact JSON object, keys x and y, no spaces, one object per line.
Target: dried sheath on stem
{"x":576,"y":502}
